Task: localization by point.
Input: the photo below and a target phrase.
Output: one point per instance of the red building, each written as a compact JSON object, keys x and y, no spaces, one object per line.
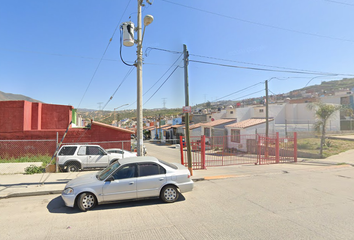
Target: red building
{"x":32,"y":128}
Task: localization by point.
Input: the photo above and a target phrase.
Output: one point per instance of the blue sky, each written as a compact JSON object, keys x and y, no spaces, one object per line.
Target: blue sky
{"x":59,"y":52}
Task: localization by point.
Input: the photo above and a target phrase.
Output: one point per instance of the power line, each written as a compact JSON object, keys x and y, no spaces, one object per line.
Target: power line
{"x":160,"y":77}
{"x":256,"y":64}
{"x":104,"y":53}
{"x":238,"y":91}
{"x":248,"y":95}
{"x":56,"y":54}
{"x":344,"y":3}
{"x":163,"y":74}
{"x":260,"y":24}
{"x":271,"y":70}
{"x":162,"y":84}
{"x":228,"y":60}
{"x":126,"y":76}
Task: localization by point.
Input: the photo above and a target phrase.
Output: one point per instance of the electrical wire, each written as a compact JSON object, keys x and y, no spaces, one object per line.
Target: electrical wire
{"x":344,"y":3}
{"x":148,"y":50}
{"x":162,"y":84}
{"x":271,"y":70}
{"x":248,"y":95}
{"x":126,"y":76}
{"x":120,"y":50}
{"x":160,"y":77}
{"x":261,"y":24}
{"x":104,"y":53}
{"x":163,"y":74}
{"x":238,"y":91}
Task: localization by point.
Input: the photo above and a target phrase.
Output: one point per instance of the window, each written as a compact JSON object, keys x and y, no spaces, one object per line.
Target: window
{"x":261,"y":110}
{"x":82,"y":151}
{"x":168,"y":164}
{"x":207,"y":132}
{"x":148,"y":169}
{"x":124,"y":172}
{"x":231,"y":112}
{"x":235,"y":135}
{"x":65,"y":151}
{"x":93,"y":150}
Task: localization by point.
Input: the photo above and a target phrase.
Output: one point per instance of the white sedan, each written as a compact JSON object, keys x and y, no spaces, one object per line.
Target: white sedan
{"x":128,"y":178}
{"x":121,"y":152}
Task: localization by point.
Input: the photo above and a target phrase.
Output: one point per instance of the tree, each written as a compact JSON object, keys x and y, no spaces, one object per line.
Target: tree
{"x":323,"y":113}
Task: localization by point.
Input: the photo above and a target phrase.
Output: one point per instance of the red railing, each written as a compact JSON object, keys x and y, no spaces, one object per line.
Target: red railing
{"x":242,"y":149}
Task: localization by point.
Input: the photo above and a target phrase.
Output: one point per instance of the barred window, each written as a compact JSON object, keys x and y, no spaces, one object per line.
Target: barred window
{"x":235,"y":135}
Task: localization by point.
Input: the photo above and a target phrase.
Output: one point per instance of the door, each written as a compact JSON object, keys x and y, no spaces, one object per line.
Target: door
{"x":151,"y":176}
{"x":96,"y":157}
{"x":123,"y":186}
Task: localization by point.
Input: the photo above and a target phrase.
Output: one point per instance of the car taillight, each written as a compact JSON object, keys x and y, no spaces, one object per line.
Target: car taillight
{"x":189,"y":176}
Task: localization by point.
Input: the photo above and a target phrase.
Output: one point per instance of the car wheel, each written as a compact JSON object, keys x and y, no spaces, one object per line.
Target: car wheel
{"x":72,"y":167}
{"x":86,"y":201}
{"x":169,"y":194}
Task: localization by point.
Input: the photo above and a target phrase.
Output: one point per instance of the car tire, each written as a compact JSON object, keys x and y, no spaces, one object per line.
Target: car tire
{"x":86,"y":201}
{"x":169,"y":194}
{"x":72,"y":167}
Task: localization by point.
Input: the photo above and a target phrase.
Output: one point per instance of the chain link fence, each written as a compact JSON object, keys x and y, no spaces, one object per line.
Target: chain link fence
{"x":26,"y":148}
{"x":14,"y":149}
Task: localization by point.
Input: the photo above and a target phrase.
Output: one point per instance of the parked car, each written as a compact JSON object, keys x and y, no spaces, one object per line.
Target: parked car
{"x":128,"y":178}
{"x":121,"y":152}
{"x":72,"y":158}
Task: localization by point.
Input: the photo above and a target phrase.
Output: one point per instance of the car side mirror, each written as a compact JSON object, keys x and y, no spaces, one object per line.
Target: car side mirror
{"x":110,"y":179}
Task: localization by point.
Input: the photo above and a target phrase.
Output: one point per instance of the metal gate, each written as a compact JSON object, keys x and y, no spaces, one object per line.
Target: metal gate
{"x":242,"y":149}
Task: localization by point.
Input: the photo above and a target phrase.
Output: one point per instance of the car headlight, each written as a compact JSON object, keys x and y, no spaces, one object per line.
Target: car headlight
{"x":68,"y":191}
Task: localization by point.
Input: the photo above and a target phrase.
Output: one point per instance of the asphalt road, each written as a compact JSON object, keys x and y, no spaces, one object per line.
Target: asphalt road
{"x":313,"y":203}
{"x":167,"y":153}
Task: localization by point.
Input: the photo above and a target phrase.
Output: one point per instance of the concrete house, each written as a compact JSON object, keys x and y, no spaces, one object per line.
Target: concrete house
{"x":243,"y":134}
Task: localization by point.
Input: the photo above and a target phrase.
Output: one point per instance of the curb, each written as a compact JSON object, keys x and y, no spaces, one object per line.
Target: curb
{"x":30,"y":194}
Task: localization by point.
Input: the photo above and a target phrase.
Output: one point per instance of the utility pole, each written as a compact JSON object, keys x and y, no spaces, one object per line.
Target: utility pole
{"x":186,"y":87}
{"x":139,"y":76}
{"x":267,"y":114}
{"x":267,"y":121}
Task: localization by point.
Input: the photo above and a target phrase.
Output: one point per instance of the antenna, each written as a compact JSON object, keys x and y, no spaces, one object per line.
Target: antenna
{"x":100,"y":105}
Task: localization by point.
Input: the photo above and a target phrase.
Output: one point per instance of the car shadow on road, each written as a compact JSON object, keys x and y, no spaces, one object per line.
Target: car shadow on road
{"x":57,"y":205}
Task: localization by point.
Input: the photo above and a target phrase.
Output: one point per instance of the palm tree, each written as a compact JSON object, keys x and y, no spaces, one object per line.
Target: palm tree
{"x":323,"y":113}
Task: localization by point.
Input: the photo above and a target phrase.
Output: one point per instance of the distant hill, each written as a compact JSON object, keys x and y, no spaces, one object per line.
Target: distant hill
{"x":330,"y":86}
{"x":11,"y":97}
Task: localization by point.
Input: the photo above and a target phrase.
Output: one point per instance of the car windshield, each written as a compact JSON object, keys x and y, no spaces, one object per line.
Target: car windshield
{"x":107,"y":171}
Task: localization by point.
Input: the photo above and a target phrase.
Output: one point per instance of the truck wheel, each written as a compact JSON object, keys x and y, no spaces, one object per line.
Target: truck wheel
{"x":72,"y":167}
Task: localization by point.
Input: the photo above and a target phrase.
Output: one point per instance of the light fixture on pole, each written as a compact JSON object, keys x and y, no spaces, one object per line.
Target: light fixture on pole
{"x":128,"y":40}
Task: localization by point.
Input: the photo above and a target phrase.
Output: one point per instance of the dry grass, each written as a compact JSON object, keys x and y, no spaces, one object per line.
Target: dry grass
{"x":332,"y":146}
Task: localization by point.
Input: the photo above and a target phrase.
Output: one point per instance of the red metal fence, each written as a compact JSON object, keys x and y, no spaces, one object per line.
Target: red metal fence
{"x":241,"y":149}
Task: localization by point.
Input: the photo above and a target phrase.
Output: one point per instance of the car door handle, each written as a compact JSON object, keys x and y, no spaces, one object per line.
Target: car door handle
{"x":161,"y":179}
{"x":131,"y":183}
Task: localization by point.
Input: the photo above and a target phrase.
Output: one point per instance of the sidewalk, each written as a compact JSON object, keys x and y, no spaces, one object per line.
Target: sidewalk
{"x":13,"y":183}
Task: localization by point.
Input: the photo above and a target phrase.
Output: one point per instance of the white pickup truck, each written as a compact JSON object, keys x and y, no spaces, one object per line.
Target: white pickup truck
{"x":72,"y":158}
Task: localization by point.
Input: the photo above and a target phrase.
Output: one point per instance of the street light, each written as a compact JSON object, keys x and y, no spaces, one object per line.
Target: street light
{"x":139,"y":76}
{"x":114,"y":111}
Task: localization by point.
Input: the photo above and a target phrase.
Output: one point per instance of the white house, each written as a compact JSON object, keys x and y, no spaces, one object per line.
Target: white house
{"x":242,"y":134}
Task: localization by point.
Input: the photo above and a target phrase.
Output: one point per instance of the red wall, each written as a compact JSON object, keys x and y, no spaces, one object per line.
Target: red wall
{"x":11,"y":116}
{"x":56,"y":116}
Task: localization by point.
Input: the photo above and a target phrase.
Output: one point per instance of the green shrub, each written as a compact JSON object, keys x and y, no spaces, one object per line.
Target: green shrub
{"x":32,"y":169}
